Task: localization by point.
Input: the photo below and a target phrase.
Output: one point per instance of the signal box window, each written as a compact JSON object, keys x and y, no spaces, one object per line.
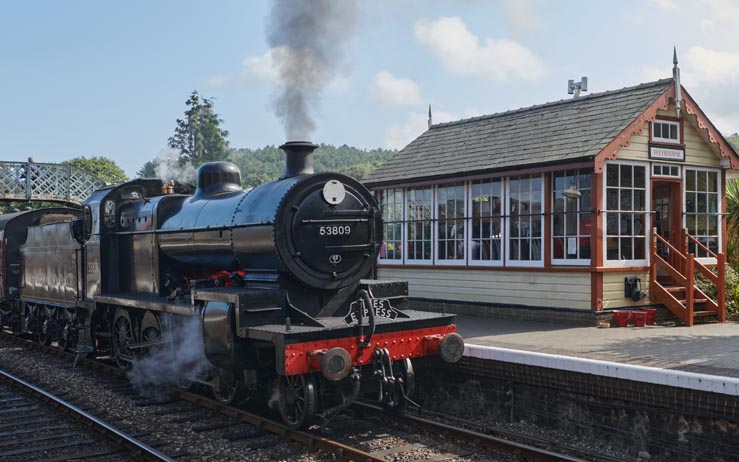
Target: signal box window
{"x":487,"y":221}
{"x":450,"y":214}
{"x":391,"y":203}
{"x":525,"y":198}
{"x":625,"y":214}
{"x":666,"y":131}
{"x":702,"y":202}
{"x":572,"y":217}
{"x":420,"y":207}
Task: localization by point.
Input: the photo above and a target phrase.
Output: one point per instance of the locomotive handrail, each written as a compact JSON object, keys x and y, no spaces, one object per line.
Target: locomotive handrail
{"x":31,"y":181}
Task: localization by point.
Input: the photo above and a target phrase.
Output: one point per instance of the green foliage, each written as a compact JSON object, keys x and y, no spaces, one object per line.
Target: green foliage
{"x":148,"y":170}
{"x":199,"y":137}
{"x":734,"y":141}
{"x":268,"y":163}
{"x":732,"y":222}
{"x":732,"y":288}
{"x":102,"y":167}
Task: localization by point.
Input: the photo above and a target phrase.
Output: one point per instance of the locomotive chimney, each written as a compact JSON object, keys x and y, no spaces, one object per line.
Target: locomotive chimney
{"x":298,"y":158}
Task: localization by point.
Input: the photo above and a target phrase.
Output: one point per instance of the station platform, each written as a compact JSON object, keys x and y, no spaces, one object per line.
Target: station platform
{"x":704,"y":356}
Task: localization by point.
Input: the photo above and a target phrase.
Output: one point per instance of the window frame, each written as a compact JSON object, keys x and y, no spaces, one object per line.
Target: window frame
{"x":393,"y":261}
{"x":662,"y":140}
{"x":502,"y":218}
{"x":704,"y":260}
{"x":647,"y":215}
{"x":508,"y":220}
{"x":578,"y":261}
{"x":406,"y":228}
{"x":662,"y":176}
{"x":437,"y":222}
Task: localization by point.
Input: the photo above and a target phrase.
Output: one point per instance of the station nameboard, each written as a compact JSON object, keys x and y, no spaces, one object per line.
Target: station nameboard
{"x":665,"y":153}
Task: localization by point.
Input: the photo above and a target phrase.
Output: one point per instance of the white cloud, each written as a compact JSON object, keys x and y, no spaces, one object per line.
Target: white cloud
{"x":726,"y":10}
{"x":399,"y":135}
{"x":711,"y":66}
{"x":396,"y":91}
{"x":665,"y":4}
{"x":520,"y":16}
{"x":460,"y":51}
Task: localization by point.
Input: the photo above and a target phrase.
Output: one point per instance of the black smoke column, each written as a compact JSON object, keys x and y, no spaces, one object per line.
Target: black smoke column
{"x":307,"y":39}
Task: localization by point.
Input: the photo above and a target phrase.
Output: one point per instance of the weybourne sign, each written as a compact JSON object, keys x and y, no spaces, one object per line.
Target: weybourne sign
{"x":663,"y":153}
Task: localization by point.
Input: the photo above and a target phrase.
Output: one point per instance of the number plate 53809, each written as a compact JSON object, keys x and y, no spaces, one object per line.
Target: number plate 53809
{"x":334,"y":230}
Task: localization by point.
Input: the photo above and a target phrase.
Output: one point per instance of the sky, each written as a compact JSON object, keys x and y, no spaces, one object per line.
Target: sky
{"x":95,"y":78}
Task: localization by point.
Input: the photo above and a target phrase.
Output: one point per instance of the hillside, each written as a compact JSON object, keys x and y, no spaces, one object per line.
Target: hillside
{"x":268,"y":163}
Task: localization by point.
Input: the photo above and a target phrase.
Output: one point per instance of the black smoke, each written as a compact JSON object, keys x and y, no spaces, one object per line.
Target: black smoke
{"x":306,"y":38}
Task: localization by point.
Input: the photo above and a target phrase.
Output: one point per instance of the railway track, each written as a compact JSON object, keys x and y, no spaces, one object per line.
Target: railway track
{"x":38,"y":425}
{"x":371,"y":436}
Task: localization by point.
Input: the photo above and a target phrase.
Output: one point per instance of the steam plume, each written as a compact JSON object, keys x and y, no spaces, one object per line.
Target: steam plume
{"x":167,"y":167}
{"x":180,"y":359}
{"x":307,"y":37}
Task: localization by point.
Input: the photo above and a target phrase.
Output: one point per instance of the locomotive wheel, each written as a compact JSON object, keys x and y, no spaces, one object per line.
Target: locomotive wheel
{"x":122,"y":337}
{"x":405,"y":384}
{"x":297,"y":399}
{"x":42,"y":335}
{"x":227,"y":389}
{"x":62,"y":342}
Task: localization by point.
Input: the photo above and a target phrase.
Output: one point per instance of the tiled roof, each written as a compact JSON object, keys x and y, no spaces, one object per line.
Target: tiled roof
{"x":561,"y":131}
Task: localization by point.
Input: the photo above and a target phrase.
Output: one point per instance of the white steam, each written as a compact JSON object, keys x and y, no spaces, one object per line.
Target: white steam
{"x":168,"y":167}
{"x":178,"y":360}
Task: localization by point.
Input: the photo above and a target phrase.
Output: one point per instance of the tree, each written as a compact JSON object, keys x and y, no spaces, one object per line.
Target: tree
{"x":102,"y":167}
{"x":148,"y":170}
{"x":199,"y":137}
{"x":734,"y":141}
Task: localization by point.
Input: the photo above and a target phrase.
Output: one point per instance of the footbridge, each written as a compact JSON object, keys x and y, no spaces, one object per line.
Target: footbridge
{"x":31,"y":181}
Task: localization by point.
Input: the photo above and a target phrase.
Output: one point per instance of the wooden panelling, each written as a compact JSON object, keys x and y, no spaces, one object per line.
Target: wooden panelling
{"x":613,"y":289}
{"x":532,"y":288}
{"x":697,"y":151}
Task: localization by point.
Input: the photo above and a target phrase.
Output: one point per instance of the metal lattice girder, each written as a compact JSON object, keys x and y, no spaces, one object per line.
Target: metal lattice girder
{"x":46,"y":182}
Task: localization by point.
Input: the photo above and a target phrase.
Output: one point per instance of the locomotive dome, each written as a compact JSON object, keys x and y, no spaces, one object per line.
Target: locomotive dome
{"x":217,"y":177}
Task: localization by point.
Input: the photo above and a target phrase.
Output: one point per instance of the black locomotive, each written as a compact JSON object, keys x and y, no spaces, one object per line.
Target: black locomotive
{"x":278,"y":277}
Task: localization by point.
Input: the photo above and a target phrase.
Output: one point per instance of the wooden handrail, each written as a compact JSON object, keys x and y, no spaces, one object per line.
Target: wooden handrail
{"x":710,"y":252}
{"x":681,"y":268}
{"x":670,"y":246}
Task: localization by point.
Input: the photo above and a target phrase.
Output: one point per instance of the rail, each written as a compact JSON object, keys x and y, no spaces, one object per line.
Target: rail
{"x":31,"y":181}
{"x":341,"y":450}
{"x":522,"y":451}
{"x":137,"y":448}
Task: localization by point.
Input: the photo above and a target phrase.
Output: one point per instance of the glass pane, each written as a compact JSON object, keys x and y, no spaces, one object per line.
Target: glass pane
{"x":612,"y":175}
{"x":626,"y":200}
{"x":639,"y":249}
{"x":690,"y":180}
{"x":712,"y":182}
{"x":612,"y":224}
{"x":612,"y":199}
{"x":639,"y":177}
{"x":673,"y":132}
{"x":627,"y":250}
{"x":626,"y":176}
{"x":559,"y":248}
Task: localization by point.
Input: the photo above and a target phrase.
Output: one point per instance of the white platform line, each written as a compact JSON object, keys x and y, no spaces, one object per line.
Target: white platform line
{"x":672,"y":378}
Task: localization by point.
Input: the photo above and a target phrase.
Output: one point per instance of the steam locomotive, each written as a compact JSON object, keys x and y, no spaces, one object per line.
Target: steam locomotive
{"x":277,"y":277}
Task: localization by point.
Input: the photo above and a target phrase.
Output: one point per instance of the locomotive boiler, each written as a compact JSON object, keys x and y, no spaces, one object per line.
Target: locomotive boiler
{"x":279,"y":278}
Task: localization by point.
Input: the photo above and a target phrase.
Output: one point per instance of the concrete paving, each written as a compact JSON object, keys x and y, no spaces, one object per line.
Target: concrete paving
{"x":706,"y":348}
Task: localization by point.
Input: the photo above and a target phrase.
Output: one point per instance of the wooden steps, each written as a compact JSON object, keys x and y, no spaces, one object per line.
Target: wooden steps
{"x":675,"y":286}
